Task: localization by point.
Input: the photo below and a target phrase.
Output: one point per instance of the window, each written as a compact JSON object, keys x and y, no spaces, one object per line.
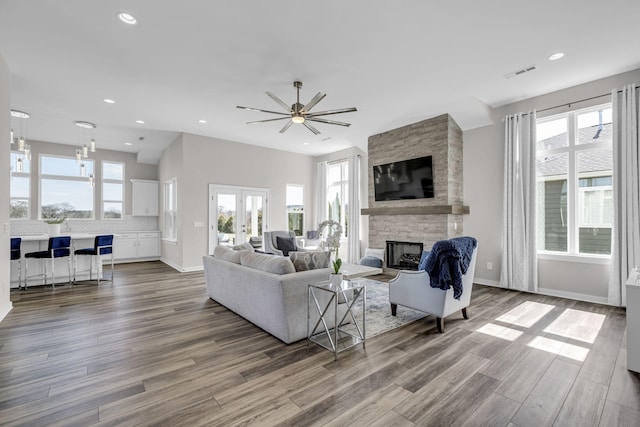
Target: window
{"x":66,"y":187}
{"x":170,"y":210}
{"x":20,"y":186}
{"x":574,"y":182}
{"x":112,"y":190}
{"x":338,"y":193}
{"x":295,"y":209}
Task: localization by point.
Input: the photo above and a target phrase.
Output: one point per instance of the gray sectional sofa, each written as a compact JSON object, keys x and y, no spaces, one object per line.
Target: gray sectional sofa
{"x":264,"y":289}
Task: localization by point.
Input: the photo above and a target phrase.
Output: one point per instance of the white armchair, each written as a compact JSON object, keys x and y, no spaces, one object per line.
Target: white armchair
{"x":412,"y":289}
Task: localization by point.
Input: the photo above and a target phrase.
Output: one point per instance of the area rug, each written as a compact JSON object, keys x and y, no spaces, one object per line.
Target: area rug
{"x":378,"y":316}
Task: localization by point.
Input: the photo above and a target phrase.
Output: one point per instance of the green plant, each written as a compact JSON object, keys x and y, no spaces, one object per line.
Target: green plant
{"x":336,"y":265}
{"x":54,"y":220}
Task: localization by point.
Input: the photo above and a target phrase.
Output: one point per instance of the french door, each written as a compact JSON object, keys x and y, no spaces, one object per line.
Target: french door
{"x":236,"y":214}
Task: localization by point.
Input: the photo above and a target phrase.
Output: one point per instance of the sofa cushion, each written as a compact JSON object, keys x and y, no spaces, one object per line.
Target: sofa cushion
{"x":286,"y":244}
{"x":310,"y":260}
{"x":268,"y":263}
{"x":226,"y":254}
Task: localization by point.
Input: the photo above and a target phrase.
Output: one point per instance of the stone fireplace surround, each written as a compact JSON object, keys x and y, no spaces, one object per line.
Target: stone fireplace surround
{"x":419,"y":220}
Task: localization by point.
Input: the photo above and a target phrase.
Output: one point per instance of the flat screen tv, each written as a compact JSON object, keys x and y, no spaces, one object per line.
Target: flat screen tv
{"x":407,"y":179}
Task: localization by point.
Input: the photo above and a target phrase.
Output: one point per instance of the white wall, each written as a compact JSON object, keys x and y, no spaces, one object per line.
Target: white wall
{"x":170,"y":166}
{"x":214,"y":161}
{"x":5,"y":150}
{"x":483,"y":187}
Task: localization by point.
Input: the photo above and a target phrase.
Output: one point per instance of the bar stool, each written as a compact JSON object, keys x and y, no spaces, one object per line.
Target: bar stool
{"x":59,"y":247}
{"x":16,"y":255}
{"x":102,"y":245}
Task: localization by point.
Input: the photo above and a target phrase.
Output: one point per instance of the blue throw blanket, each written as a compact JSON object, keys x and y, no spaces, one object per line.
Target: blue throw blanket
{"x":448,"y":261}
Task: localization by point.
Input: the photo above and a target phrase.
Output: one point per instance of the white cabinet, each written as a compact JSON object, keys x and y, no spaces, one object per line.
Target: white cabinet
{"x":144,"y":197}
{"x":140,"y":245}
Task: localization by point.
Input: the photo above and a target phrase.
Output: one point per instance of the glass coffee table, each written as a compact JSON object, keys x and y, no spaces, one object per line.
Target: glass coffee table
{"x":329,"y":330}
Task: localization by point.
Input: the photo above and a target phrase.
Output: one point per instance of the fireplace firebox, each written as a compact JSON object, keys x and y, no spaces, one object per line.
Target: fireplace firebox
{"x":403,"y":255}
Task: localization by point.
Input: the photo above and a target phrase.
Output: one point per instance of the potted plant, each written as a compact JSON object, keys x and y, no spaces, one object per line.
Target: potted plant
{"x":336,"y":277}
{"x":54,"y":225}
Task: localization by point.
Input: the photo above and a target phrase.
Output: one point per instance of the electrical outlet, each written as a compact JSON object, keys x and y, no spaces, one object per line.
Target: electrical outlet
{"x":489,"y":266}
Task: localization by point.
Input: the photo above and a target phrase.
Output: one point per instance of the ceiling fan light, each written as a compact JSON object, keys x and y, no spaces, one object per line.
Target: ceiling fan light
{"x":297,"y":119}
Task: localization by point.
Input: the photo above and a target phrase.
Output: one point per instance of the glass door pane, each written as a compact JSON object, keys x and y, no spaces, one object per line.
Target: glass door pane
{"x":254,"y":211}
{"x":227,"y":215}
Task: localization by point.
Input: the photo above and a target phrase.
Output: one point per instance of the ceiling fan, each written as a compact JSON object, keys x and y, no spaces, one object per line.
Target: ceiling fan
{"x":299,"y":113}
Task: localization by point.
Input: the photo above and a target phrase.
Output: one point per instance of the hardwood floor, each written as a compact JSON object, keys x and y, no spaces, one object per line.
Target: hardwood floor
{"x":153,"y":349}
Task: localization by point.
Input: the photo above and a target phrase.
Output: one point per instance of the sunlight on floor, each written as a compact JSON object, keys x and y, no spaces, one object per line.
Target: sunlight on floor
{"x":560,"y":348}
{"x":499,"y":331}
{"x":526,"y":314}
{"x":577,"y":325}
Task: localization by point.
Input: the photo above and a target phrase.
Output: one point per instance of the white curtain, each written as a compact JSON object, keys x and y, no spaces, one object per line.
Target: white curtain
{"x":626,"y":191}
{"x":354,"y":209}
{"x":519,"y":257}
{"x":321,"y":193}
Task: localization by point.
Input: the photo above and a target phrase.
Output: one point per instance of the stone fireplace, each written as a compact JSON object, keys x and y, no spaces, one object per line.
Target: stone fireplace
{"x":403,"y":255}
{"x":419,"y":220}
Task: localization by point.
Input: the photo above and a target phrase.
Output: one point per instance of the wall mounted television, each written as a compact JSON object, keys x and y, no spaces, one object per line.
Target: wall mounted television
{"x":407,"y":179}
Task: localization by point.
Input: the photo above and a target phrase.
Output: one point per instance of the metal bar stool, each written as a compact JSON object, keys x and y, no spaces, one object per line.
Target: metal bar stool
{"x":59,"y":247}
{"x":16,"y":255}
{"x":102,"y":245}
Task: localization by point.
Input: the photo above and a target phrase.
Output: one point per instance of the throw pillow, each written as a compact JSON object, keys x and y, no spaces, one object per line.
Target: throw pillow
{"x":268,"y":263}
{"x":246,"y":246}
{"x":376,"y":253}
{"x":286,"y":244}
{"x":370,"y":261}
{"x":226,"y":254}
{"x":310,"y":260}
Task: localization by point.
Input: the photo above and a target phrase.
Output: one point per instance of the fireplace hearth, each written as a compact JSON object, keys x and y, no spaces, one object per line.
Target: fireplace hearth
{"x":403,"y":255}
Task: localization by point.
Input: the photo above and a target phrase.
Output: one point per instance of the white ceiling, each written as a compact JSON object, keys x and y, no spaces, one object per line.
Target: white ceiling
{"x":397,"y":62}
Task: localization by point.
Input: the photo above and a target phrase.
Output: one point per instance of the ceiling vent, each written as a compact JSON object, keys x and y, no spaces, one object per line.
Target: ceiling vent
{"x":520,"y":72}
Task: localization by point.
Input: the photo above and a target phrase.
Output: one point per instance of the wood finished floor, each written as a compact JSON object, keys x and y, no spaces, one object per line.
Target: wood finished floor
{"x":152,"y":349}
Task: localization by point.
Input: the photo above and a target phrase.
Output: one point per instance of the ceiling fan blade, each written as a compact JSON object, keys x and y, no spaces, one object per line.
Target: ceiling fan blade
{"x":331,"y":122}
{"x":338,"y":111}
{"x":285,"y":127}
{"x":279,"y":101}
{"x":262,"y":111}
{"x":311,"y":128}
{"x":267,"y":120}
{"x":312,"y":103}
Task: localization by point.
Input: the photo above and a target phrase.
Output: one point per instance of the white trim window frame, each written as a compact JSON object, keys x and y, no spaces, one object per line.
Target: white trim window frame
{"x":110,"y":184}
{"x":20,"y":188}
{"x":170,"y":225}
{"x":73,"y":186}
{"x":575,"y":193}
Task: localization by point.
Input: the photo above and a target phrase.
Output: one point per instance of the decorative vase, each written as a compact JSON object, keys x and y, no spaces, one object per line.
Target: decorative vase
{"x":335,"y":279}
{"x":54,"y":230}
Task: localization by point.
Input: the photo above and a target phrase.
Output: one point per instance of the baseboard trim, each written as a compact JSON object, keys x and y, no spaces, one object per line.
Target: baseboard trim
{"x":574,"y":296}
{"x":487,"y":282}
{"x":182,"y":269}
{"x":5,"y":309}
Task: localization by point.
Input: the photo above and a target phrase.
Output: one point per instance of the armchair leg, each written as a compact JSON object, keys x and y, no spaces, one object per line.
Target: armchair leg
{"x":464,"y":313}
{"x":440,"y":324}
{"x":394,"y":309}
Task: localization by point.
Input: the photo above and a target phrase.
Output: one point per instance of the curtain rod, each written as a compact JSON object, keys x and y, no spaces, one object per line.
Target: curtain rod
{"x":568,"y":104}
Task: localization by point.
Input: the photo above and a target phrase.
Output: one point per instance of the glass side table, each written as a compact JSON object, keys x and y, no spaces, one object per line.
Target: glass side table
{"x":336,"y":338}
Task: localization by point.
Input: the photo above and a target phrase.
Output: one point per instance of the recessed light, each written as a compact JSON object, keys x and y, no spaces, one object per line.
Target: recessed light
{"x":306,"y":143}
{"x":128,"y":143}
{"x":140,"y":122}
{"x":109,"y":101}
{"x":127,"y":18}
{"x":556,"y":56}
{"x":20,"y":114}
{"x":202,"y":121}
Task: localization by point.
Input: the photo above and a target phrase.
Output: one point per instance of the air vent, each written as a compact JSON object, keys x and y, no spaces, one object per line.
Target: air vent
{"x":520,"y":72}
